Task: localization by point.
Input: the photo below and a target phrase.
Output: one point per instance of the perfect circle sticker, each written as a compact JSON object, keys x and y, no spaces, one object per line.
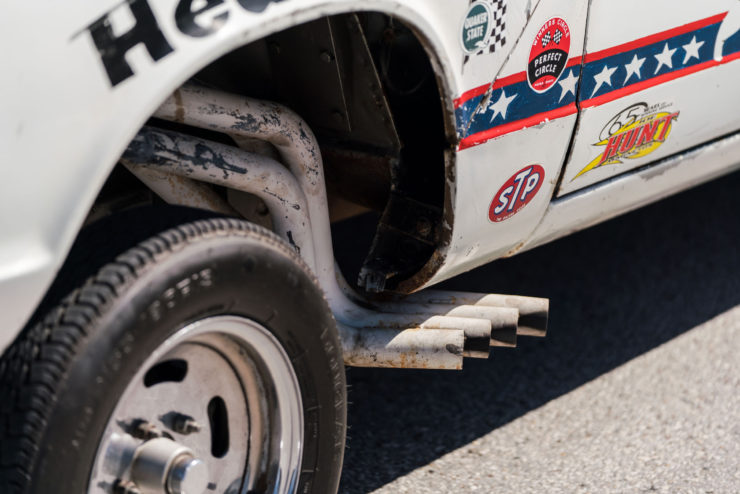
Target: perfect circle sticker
{"x":548,"y":55}
{"x":476,"y":28}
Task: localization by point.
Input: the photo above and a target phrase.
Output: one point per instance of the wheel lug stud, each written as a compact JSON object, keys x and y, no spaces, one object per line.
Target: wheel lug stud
{"x":183,"y":424}
{"x":145,"y":430}
{"x":125,"y":487}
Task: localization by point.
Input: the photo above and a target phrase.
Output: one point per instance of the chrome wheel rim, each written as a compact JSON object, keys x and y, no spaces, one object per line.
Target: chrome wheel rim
{"x":216,"y":408}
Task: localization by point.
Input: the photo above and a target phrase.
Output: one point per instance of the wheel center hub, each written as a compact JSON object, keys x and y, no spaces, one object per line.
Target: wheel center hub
{"x":163,"y":466}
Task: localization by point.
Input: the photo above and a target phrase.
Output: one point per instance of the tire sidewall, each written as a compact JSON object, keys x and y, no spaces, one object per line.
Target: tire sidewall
{"x":222,"y":275}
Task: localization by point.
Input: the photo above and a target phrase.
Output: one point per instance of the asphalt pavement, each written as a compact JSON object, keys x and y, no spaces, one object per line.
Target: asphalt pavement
{"x":636,"y":387}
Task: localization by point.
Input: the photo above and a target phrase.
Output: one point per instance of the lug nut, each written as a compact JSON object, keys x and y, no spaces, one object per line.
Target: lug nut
{"x":183,"y":424}
{"x":188,"y":475}
{"x":145,"y":430}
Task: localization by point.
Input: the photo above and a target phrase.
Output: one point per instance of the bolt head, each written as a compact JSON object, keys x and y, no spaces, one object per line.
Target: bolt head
{"x":145,"y":430}
{"x":423,"y":227}
{"x":184,"y":424}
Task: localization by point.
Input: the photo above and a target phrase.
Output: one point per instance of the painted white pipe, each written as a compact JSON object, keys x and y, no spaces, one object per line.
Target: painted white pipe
{"x":478,"y":335}
{"x":503,"y":320}
{"x":295,"y":142}
{"x":533,"y":311}
{"x":408,"y":349}
{"x":219,"y":164}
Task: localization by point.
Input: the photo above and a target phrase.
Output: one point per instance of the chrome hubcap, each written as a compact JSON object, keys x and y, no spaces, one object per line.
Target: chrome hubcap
{"x":216,"y":408}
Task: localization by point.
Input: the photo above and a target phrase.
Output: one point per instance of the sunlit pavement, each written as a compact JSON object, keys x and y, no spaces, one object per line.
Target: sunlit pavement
{"x":667,"y":421}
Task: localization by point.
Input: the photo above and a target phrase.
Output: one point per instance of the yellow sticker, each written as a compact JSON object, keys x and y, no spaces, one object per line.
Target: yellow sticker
{"x":633,"y":133}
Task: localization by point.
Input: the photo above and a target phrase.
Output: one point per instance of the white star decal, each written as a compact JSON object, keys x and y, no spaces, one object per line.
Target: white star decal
{"x":603,"y":77}
{"x":692,"y":49}
{"x":501,"y":105}
{"x":665,"y":58}
{"x":568,"y":84}
{"x":634,"y":68}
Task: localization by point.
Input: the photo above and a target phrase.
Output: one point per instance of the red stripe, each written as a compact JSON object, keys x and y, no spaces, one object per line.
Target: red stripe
{"x":573,"y":61}
{"x":503,"y":81}
{"x":470,"y":94}
{"x":669,"y":76}
{"x":510,"y":79}
{"x":499,"y":130}
{"x":654,"y":38}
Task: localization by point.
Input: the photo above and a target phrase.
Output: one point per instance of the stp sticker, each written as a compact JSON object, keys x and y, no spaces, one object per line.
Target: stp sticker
{"x":516,"y":193}
{"x":476,"y":29}
{"x":633,"y":133}
{"x":548,"y":55}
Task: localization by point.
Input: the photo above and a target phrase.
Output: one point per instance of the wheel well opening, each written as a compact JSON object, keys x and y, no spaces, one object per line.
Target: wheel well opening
{"x":365,"y":85}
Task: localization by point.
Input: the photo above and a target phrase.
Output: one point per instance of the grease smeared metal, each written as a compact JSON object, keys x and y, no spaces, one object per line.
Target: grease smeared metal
{"x":188,"y":157}
{"x":656,"y":171}
{"x":282,"y":199}
{"x":205,"y":156}
{"x":454,"y":349}
{"x":292,"y":242}
{"x":168,"y":148}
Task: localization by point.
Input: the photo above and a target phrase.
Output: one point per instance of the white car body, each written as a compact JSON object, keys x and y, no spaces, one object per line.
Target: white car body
{"x":65,"y":119}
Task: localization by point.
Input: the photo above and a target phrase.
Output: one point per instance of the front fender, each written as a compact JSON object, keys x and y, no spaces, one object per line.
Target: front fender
{"x":68,"y":111}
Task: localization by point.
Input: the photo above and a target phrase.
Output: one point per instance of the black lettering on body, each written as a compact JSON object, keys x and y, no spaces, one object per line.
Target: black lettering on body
{"x":186,"y":18}
{"x":113,"y":48}
{"x":256,"y":5}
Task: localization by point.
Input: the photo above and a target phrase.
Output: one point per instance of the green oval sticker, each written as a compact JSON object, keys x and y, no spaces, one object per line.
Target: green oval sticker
{"x":476,"y":28}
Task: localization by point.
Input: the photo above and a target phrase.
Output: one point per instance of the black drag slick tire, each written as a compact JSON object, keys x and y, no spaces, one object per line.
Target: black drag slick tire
{"x":64,"y":376}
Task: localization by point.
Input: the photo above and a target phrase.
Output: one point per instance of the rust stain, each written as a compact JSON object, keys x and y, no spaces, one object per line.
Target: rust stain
{"x":439,"y":256}
{"x":516,"y":249}
{"x":180,"y":108}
